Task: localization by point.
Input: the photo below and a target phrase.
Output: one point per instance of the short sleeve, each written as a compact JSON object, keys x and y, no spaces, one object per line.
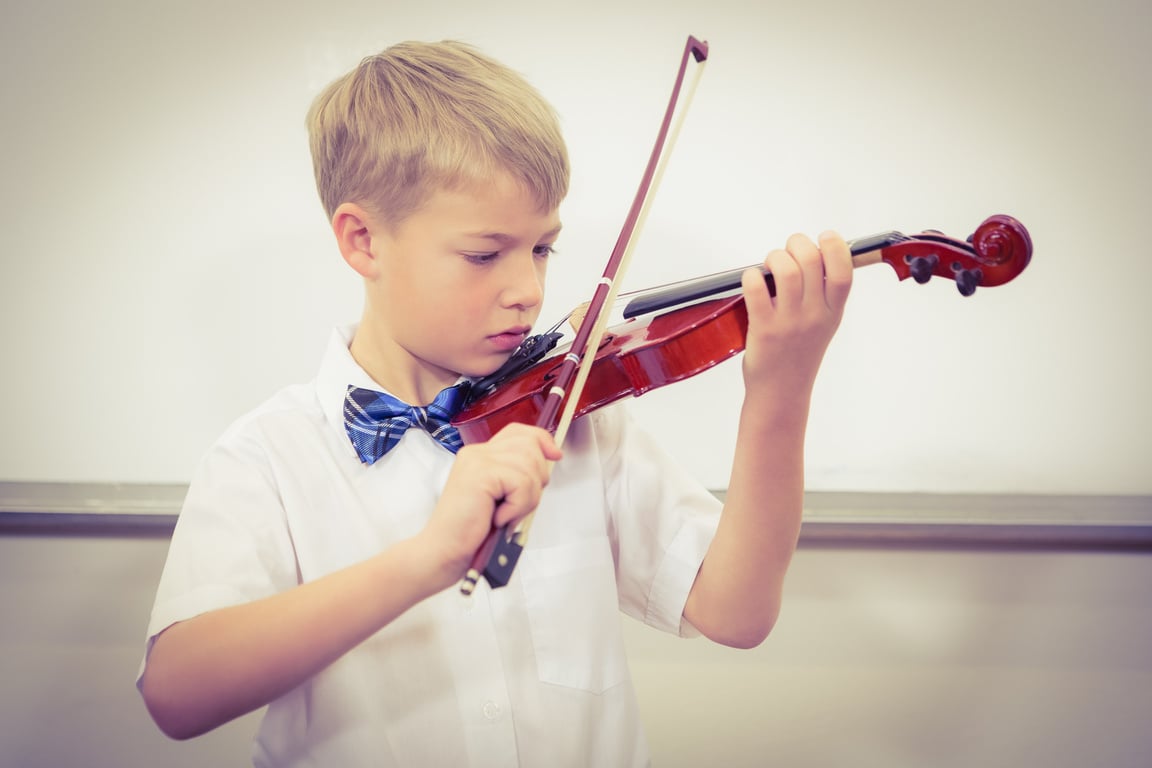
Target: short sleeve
{"x":231,"y":544}
{"x":663,"y":521}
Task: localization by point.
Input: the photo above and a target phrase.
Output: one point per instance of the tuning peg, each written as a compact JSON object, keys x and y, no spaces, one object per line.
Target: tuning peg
{"x":967,"y":280}
{"x":921,"y":267}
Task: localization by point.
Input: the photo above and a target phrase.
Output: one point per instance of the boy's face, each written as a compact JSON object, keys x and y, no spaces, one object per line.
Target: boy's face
{"x":459,"y":283}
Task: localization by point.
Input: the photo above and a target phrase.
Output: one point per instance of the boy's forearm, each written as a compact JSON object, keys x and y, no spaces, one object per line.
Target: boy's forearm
{"x":736,"y":597}
{"x":210,"y":669}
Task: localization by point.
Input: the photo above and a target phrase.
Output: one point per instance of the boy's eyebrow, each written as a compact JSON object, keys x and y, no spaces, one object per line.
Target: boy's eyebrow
{"x":505,"y":238}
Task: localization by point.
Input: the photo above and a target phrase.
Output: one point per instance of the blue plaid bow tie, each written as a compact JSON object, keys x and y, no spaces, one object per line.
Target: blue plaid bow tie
{"x":375,"y":421}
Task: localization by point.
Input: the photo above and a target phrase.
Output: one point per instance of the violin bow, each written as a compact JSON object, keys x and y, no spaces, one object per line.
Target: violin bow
{"x":497,"y":557}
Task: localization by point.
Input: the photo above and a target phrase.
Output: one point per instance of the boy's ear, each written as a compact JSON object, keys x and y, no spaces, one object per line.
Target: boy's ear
{"x":351,"y":225}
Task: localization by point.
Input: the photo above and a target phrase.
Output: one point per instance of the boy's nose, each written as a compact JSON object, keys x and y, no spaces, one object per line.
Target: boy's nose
{"x":525,"y":288}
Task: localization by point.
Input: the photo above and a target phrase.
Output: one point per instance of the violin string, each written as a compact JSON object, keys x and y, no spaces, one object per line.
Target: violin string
{"x":892,"y":238}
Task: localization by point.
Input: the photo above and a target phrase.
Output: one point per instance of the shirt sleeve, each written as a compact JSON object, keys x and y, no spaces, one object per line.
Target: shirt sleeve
{"x":231,"y":544}
{"x":662,"y":520}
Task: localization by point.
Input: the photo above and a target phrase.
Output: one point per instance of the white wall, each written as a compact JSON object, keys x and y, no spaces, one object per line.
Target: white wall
{"x":883,"y":658}
{"x":165,"y":265}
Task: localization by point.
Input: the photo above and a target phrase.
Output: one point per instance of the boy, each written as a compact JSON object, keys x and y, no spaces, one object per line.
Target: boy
{"x":312,"y":572}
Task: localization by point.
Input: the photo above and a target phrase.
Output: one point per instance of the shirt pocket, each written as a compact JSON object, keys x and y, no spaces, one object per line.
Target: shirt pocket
{"x":571,"y":600}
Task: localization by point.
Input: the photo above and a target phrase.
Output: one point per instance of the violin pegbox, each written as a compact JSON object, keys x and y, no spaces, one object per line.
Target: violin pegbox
{"x":995,"y":253}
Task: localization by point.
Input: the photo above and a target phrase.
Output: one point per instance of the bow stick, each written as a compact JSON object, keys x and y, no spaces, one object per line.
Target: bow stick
{"x":497,"y":557}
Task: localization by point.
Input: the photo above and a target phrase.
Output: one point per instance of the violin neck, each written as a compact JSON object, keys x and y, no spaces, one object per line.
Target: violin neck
{"x":722,"y":283}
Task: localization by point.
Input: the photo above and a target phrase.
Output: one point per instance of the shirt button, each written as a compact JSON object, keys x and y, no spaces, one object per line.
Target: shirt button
{"x":491,"y":710}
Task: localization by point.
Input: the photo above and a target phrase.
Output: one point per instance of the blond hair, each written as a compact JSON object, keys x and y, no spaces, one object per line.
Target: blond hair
{"x":422,"y":117}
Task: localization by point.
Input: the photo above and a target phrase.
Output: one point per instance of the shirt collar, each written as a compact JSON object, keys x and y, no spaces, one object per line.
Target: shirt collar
{"x":338,"y":371}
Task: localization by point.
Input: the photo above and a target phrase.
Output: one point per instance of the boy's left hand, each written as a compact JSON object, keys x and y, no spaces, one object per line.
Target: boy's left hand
{"x":788,"y":333}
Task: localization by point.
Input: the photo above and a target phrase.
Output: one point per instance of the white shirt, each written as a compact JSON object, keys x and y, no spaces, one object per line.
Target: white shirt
{"x":532,"y":674}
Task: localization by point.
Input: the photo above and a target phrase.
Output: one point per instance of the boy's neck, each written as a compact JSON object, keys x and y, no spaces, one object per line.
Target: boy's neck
{"x":396,"y":370}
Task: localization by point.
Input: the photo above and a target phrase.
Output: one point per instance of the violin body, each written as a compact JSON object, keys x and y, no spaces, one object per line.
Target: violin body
{"x":635,"y":357}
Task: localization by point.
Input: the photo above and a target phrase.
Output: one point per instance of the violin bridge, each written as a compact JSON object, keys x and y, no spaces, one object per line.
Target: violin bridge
{"x":578,"y":315}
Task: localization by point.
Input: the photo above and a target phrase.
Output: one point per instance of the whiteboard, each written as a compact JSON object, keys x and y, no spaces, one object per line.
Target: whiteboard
{"x":166,"y":265}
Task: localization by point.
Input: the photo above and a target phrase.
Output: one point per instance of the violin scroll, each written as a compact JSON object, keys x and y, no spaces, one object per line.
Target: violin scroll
{"x":995,"y":253}
{"x":1003,"y":240}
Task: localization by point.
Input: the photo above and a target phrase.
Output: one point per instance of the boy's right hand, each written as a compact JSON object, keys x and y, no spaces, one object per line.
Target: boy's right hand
{"x":491,"y":484}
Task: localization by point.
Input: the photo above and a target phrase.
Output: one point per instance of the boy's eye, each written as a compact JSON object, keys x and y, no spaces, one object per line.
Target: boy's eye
{"x":486,"y":257}
{"x":481,"y":258}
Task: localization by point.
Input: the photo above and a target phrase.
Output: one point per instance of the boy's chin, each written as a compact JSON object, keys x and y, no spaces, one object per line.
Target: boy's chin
{"x":485,"y":368}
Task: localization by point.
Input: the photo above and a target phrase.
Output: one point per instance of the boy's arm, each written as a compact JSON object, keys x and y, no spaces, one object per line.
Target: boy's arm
{"x":736,"y":596}
{"x":210,"y":669}
{"x":217,"y":666}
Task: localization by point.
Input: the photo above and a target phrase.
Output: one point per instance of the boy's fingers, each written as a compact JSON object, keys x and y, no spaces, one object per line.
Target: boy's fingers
{"x":810,"y":260}
{"x":838,"y":269}
{"x":513,"y":468}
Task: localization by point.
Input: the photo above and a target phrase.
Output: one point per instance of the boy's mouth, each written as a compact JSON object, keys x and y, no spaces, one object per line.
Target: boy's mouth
{"x":507,"y":341}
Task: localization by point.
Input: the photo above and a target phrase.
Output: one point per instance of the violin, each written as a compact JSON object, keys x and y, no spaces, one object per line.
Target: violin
{"x":676,"y":332}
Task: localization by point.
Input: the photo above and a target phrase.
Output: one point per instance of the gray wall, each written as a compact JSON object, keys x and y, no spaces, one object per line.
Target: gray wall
{"x":885,"y":656}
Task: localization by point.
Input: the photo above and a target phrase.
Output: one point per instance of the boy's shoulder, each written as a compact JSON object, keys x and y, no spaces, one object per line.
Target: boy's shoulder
{"x":292,"y":408}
